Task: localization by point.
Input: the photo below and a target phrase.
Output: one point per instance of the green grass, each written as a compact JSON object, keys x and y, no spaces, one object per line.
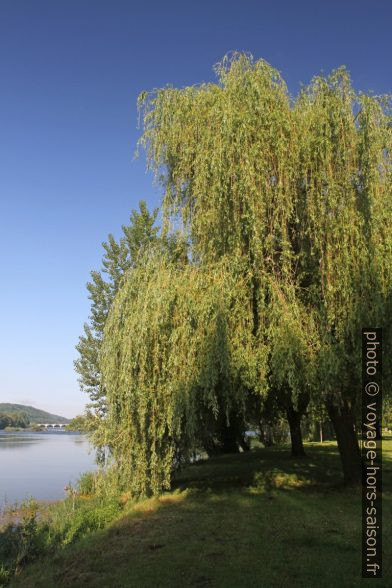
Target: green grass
{"x":259,"y":520}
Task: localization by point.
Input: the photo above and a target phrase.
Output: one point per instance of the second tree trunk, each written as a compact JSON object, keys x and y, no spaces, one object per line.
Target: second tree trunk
{"x":294,"y":419}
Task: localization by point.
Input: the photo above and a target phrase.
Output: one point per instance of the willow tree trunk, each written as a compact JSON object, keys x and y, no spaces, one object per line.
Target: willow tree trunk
{"x":229,"y":438}
{"x":378,"y":430}
{"x":266,"y":435}
{"x":350,"y":454}
{"x":294,"y":419}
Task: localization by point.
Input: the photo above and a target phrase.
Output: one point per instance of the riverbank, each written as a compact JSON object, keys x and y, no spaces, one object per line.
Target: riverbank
{"x":15,"y":513}
{"x":255,"y":519}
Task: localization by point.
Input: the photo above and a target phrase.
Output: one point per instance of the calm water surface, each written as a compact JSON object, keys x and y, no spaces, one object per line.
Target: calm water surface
{"x":41,"y":464}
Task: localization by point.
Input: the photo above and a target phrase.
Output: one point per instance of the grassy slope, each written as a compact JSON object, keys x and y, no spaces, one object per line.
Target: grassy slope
{"x":35,"y":415}
{"x":250,"y":520}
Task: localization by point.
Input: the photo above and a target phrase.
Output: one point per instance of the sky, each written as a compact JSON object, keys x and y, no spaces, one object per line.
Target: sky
{"x":70,"y":74}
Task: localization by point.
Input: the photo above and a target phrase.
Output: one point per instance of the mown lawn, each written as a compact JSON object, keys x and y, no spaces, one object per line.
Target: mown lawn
{"x":260,"y":519}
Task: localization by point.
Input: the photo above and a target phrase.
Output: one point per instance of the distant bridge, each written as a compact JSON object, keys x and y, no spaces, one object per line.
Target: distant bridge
{"x":52,"y":425}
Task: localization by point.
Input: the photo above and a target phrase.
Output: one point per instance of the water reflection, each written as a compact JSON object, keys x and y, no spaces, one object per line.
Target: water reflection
{"x":41,"y":464}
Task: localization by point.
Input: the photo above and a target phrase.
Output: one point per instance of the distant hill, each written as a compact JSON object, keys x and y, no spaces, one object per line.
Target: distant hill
{"x":34,"y":414}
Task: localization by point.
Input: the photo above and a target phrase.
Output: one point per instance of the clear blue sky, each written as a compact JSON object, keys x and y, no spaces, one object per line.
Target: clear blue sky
{"x":70,"y":73}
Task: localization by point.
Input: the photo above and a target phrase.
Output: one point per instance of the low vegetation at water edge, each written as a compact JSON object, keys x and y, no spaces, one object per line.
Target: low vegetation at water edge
{"x":259,"y":518}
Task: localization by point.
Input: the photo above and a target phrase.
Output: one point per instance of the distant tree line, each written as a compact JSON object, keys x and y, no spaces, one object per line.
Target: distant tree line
{"x":20,"y":420}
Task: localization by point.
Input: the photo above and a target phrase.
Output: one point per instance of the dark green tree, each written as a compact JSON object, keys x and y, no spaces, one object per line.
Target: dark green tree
{"x":119,"y":256}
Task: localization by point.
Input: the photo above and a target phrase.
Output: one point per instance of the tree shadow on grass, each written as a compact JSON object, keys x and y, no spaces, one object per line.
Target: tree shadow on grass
{"x":260,"y":519}
{"x":244,"y":537}
{"x":320,"y":469}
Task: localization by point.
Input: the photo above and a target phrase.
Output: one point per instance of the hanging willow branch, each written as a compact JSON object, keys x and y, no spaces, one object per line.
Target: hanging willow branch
{"x":300,"y":189}
{"x":177,"y":342}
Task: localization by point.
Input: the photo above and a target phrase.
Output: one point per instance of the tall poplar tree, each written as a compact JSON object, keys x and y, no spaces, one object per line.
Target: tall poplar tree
{"x":120,"y":256}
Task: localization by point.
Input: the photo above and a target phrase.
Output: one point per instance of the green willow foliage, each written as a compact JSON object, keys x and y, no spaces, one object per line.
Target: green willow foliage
{"x":293,"y":343}
{"x":345,"y":212}
{"x":300,"y":188}
{"x":230,"y":158}
{"x":177,"y":343}
{"x":231,"y":152}
{"x":287,"y":205}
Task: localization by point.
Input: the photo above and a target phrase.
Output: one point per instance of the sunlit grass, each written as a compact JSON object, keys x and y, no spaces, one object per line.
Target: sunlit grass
{"x":259,"y":519}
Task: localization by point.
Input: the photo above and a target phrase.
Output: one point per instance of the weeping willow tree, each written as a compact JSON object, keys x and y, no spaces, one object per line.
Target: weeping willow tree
{"x":301,"y":192}
{"x":228,"y":154}
{"x":178,"y":354}
{"x":345,"y":218}
{"x":293,"y":343}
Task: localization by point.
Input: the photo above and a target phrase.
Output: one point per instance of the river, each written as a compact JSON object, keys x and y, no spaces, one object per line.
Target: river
{"x":40,"y":465}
